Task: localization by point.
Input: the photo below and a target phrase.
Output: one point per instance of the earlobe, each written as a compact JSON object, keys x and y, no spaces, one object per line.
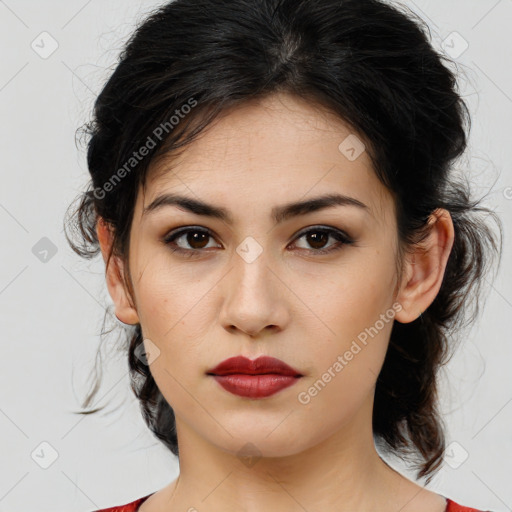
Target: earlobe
{"x":425,"y":268}
{"x":124,"y":310}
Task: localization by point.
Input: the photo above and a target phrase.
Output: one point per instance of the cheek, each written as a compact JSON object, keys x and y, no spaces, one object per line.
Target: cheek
{"x":168,"y":295}
{"x":351,"y":298}
{"x":178,"y":314}
{"x":171,"y":320}
{"x":356,"y":318}
{"x":345,"y":374}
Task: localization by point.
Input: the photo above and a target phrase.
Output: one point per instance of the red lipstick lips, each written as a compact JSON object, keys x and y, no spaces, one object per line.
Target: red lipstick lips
{"x":254,"y":379}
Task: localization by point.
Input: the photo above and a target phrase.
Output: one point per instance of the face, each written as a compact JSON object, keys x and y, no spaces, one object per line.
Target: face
{"x":313,"y":287}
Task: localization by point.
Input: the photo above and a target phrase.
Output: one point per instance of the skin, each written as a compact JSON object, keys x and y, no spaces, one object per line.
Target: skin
{"x":290,"y":302}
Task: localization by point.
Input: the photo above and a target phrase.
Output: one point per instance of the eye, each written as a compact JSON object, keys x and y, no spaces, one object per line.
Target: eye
{"x":195,"y":237}
{"x":317,"y":237}
{"x":197,"y":240}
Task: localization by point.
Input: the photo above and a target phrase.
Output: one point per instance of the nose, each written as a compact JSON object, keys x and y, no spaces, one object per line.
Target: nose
{"x":254,"y":298}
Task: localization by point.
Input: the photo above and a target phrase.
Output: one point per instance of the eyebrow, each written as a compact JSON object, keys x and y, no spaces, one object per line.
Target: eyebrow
{"x":278,"y":213}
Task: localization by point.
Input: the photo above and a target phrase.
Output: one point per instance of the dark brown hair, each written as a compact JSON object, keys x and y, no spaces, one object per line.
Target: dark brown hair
{"x":364,"y":60}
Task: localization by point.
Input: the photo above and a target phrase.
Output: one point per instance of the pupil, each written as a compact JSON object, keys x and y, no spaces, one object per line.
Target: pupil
{"x":195,"y":236}
{"x":317,"y":239}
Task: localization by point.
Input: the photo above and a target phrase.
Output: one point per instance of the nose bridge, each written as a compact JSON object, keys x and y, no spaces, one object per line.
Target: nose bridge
{"x":252,"y":299}
{"x":251,"y":273}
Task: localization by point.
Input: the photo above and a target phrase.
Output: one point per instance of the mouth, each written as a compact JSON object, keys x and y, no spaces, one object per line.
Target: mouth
{"x":260,"y":378}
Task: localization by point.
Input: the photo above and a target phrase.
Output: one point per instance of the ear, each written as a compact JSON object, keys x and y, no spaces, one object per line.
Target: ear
{"x":124,"y":309}
{"x":425,"y":268}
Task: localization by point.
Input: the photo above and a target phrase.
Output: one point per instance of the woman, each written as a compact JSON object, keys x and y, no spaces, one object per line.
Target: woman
{"x":273,"y":198}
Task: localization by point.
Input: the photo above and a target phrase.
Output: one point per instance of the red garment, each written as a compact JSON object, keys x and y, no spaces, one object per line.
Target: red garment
{"x":130,"y":507}
{"x":455,"y":507}
{"x":451,"y":506}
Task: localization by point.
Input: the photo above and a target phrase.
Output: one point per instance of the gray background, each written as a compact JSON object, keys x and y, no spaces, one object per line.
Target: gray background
{"x":52,"y":311}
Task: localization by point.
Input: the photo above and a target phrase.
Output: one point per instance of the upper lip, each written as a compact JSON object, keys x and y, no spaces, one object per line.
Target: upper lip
{"x":261,"y":365}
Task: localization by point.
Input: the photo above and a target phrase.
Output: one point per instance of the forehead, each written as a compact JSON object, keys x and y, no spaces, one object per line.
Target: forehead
{"x":279,"y":148}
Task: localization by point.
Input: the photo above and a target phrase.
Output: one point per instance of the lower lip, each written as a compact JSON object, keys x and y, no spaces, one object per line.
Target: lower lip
{"x":255,"y":386}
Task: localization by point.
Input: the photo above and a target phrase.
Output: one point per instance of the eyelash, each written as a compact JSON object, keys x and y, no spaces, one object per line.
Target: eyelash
{"x":340,"y":236}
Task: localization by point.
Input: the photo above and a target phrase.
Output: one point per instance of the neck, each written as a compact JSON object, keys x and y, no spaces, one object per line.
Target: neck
{"x":342,"y":472}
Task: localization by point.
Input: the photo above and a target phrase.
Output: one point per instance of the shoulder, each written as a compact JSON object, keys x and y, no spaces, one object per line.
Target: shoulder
{"x":129,"y":507}
{"x":452,"y":506}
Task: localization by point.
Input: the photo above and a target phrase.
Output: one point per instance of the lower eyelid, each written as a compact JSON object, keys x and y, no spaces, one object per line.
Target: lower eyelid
{"x":340,"y":237}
